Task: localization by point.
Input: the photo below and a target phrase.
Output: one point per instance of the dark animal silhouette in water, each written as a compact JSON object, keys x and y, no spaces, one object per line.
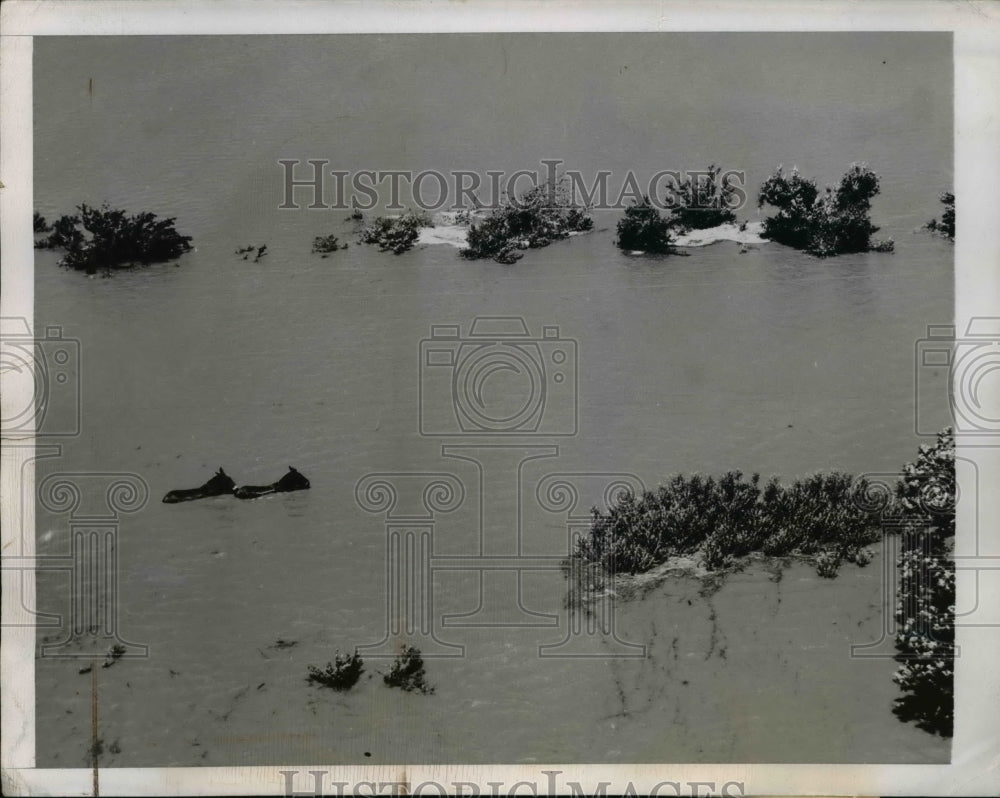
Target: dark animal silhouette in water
{"x":219,"y":485}
{"x":293,"y":480}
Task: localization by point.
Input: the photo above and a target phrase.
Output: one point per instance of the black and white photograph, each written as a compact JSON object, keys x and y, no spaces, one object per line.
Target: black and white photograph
{"x":437,"y":401}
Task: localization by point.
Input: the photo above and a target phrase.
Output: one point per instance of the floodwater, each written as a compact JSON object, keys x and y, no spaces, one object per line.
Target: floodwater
{"x":765,"y":361}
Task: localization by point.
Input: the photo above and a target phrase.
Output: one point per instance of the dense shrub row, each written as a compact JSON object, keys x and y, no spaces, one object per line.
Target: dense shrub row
{"x":925,"y":607}
{"x":730,"y":516}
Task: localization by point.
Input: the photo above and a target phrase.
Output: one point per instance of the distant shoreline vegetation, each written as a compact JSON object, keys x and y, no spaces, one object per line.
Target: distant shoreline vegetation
{"x":835,"y":223}
{"x":107,"y":239}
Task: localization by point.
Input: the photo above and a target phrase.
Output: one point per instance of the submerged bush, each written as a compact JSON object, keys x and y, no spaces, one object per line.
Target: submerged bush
{"x":703,"y":201}
{"x":395,"y":234}
{"x":41,"y":226}
{"x":946,"y":226}
{"x":725,"y":517}
{"x":644,"y":229}
{"x":327,"y":244}
{"x":341,"y":674}
{"x":540,"y":216}
{"x":407,"y":672}
{"x":827,"y":564}
{"x":107,"y":238}
{"x":834,"y":223}
{"x":925,"y":606}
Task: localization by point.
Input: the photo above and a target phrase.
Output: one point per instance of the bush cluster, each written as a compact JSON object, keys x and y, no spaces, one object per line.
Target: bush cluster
{"x":703,"y":201}
{"x":835,"y":223}
{"x":107,"y":238}
{"x":341,"y":674}
{"x":395,"y":234}
{"x":407,"y":672}
{"x":327,"y":244}
{"x":730,"y":516}
{"x":925,"y":606}
{"x":644,"y":229}
{"x":540,"y":216}
{"x":697,"y":203}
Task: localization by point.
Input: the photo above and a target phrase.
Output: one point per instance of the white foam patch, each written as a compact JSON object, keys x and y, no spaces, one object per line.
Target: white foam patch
{"x":751,"y":234}
{"x":453,"y":235}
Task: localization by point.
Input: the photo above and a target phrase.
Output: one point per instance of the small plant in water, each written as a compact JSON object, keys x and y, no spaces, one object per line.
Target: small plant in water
{"x":327,"y":244}
{"x":827,"y":564}
{"x":946,"y":226}
{"x":643,"y":229}
{"x":116,"y":653}
{"x":340,"y":675}
{"x":407,"y":672}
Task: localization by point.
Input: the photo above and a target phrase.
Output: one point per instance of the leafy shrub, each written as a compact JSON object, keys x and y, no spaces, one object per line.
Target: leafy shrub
{"x":827,"y":564}
{"x":925,"y":613}
{"x":946,"y":226}
{"x":41,"y":226}
{"x":729,"y":516}
{"x":407,"y":672}
{"x":832,"y":224}
{"x":106,"y":238}
{"x":925,"y":606}
{"x":540,"y":216}
{"x":926,"y":491}
{"x":643,"y":229}
{"x":327,"y":244}
{"x":395,"y":234}
{"x":115,"y":653}
{"x":340,"y":675}
{"x":703,"y":201}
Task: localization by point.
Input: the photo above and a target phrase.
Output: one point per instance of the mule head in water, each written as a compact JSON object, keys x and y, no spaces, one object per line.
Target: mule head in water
{"x":219,"y":485}
{"x":293,"y":480}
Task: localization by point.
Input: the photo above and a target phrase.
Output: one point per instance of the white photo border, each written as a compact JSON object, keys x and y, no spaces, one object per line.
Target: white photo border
{"x":976,"y":36}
